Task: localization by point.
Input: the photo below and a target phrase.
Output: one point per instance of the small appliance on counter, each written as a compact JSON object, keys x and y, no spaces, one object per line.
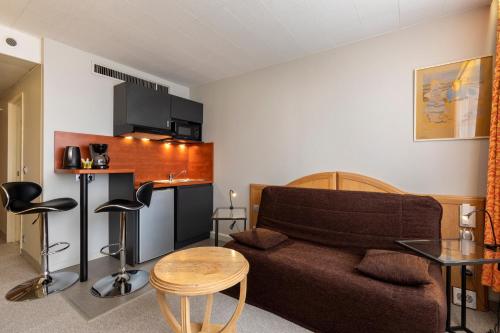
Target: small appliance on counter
{"x":99,"y":155}
{"x":71,"y":158}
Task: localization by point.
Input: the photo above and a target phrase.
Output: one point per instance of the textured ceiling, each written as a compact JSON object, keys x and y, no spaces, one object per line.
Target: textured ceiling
{"x":198,"y":41}
{"x":11,"y":70}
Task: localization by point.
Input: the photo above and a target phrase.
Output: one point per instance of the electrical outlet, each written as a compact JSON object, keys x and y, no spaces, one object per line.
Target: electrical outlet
{"x":471,"y":299}
{"x":469,"y":222}
{"x":91,"y":178}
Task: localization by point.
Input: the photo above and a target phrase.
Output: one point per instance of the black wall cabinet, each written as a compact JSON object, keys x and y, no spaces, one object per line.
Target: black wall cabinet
{"x":193,"y":214}
{"x":185,"y":109}
{"x":139,"y":106}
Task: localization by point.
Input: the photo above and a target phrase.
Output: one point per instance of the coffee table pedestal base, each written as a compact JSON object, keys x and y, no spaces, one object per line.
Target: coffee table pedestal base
{"x":185,"y":326}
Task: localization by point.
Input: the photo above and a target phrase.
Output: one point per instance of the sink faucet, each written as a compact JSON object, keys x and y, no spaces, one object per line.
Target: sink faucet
{"x":172,"y":175}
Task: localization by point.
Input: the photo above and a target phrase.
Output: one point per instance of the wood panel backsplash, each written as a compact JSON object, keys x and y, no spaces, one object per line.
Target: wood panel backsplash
{"x":151,"y":160}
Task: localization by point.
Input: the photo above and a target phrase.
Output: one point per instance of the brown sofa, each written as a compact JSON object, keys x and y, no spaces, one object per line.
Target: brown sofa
{"x":311,"y":279}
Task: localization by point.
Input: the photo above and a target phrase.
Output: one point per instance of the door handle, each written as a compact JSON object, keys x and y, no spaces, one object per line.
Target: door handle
{"x":25,"y":170}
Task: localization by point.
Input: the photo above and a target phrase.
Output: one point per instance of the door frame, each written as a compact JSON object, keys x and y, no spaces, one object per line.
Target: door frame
{"x":15,"y":129}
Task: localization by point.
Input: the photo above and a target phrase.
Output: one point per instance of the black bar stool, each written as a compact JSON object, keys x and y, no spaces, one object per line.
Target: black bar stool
{"x":125,"y":281}
{"x":16,"y":198}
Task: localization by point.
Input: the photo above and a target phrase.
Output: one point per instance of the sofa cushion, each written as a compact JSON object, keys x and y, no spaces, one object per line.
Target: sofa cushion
{"x":395,"y":267}
{"x":347,"y":218}
{"x":260,"y":238}
{"x":318,"y":287}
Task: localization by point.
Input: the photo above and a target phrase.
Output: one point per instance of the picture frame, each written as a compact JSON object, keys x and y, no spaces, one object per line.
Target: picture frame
{"x":452,"y":101}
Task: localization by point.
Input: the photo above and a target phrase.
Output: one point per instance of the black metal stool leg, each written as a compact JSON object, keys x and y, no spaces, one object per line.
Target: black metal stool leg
{"x":44,"y":240}
{"x":125,"y":281}
{"x":123,"y":245}
{"x":47,"y":283}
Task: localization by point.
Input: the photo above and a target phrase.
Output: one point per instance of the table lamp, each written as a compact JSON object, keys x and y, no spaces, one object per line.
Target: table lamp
{"x":232,"y":195}
{"x":493,"y":246}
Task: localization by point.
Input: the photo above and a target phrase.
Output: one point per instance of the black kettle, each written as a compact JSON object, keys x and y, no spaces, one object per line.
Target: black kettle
{"x":72,"y":157}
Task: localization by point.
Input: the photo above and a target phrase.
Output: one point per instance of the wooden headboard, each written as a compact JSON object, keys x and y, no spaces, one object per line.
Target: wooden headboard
{"x":354,"y":182}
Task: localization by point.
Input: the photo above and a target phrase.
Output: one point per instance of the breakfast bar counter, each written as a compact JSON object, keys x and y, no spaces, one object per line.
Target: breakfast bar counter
{"x":132,"y":162}
{"x":84,"y":181}
{"x":84,"y":214}
{"x":94,"y":171}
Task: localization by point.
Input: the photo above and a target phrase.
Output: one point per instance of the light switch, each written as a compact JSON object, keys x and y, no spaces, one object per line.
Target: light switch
{"x":467,"y":222}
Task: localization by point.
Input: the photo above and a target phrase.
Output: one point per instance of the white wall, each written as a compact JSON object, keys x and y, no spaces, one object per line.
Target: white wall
{"x":76,"y":100}
{"x":347,"y":109}
{"x":28,"y":47}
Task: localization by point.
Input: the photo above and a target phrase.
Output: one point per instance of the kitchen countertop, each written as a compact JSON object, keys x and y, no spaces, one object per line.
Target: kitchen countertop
{"x":162,"y":184}
{"x":176,"y":184}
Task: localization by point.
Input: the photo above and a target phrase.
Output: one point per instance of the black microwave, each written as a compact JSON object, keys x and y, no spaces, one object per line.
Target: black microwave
{"x":186,"y":130}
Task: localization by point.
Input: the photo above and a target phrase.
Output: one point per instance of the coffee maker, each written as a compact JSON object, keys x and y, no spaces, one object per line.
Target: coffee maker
{"x":99,"y":154}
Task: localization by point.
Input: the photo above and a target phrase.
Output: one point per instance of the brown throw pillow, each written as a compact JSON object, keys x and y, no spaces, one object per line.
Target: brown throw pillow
{"x":260,"y":238}
{"x":395,"y":267}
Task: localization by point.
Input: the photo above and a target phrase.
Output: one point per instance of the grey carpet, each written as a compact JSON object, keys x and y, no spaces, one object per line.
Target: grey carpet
{"x":91,"y":307}
{"x":141,"y":314}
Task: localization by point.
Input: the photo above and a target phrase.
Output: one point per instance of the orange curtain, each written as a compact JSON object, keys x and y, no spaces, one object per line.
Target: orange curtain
{"x":491,"y":276}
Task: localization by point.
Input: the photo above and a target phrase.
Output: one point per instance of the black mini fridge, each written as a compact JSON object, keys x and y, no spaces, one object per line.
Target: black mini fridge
{"x":193,"y":214}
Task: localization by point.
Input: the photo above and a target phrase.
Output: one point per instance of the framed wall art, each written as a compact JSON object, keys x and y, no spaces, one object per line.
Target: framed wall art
{"x":453,"y":101}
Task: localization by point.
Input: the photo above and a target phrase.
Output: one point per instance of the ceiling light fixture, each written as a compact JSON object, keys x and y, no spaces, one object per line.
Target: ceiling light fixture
{"x":11,"y":41}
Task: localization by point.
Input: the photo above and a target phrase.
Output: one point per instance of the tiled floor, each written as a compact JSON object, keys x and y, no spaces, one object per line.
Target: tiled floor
{"x":91,"y":307}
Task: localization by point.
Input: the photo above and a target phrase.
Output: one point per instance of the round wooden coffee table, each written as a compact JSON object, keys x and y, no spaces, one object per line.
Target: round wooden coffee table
{"x":199,"y":271}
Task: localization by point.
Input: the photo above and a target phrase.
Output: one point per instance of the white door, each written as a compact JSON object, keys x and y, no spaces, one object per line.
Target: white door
{"x":15,"y":160}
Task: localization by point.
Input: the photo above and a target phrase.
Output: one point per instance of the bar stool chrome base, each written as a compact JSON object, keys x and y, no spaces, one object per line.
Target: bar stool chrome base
{"x":119,"y":284}
{"x":41,"y":287}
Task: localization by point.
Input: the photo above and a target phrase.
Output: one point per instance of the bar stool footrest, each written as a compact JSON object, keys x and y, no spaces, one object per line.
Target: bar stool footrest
{"x":107,"y":253}
{"x":46,"y":252}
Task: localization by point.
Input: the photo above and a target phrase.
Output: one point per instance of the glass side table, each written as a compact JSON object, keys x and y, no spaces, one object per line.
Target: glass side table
{"x":227,"y":214}
{"x":452,"y":252}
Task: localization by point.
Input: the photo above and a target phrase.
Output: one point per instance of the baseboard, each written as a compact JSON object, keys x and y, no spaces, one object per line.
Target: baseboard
{"x":31,"y":260}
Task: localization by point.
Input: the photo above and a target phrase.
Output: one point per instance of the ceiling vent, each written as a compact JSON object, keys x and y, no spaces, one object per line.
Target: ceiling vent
{"x":102,"y":70}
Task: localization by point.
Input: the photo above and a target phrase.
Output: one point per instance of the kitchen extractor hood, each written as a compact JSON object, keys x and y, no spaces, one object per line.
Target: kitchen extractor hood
{"x":146,"y":113}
